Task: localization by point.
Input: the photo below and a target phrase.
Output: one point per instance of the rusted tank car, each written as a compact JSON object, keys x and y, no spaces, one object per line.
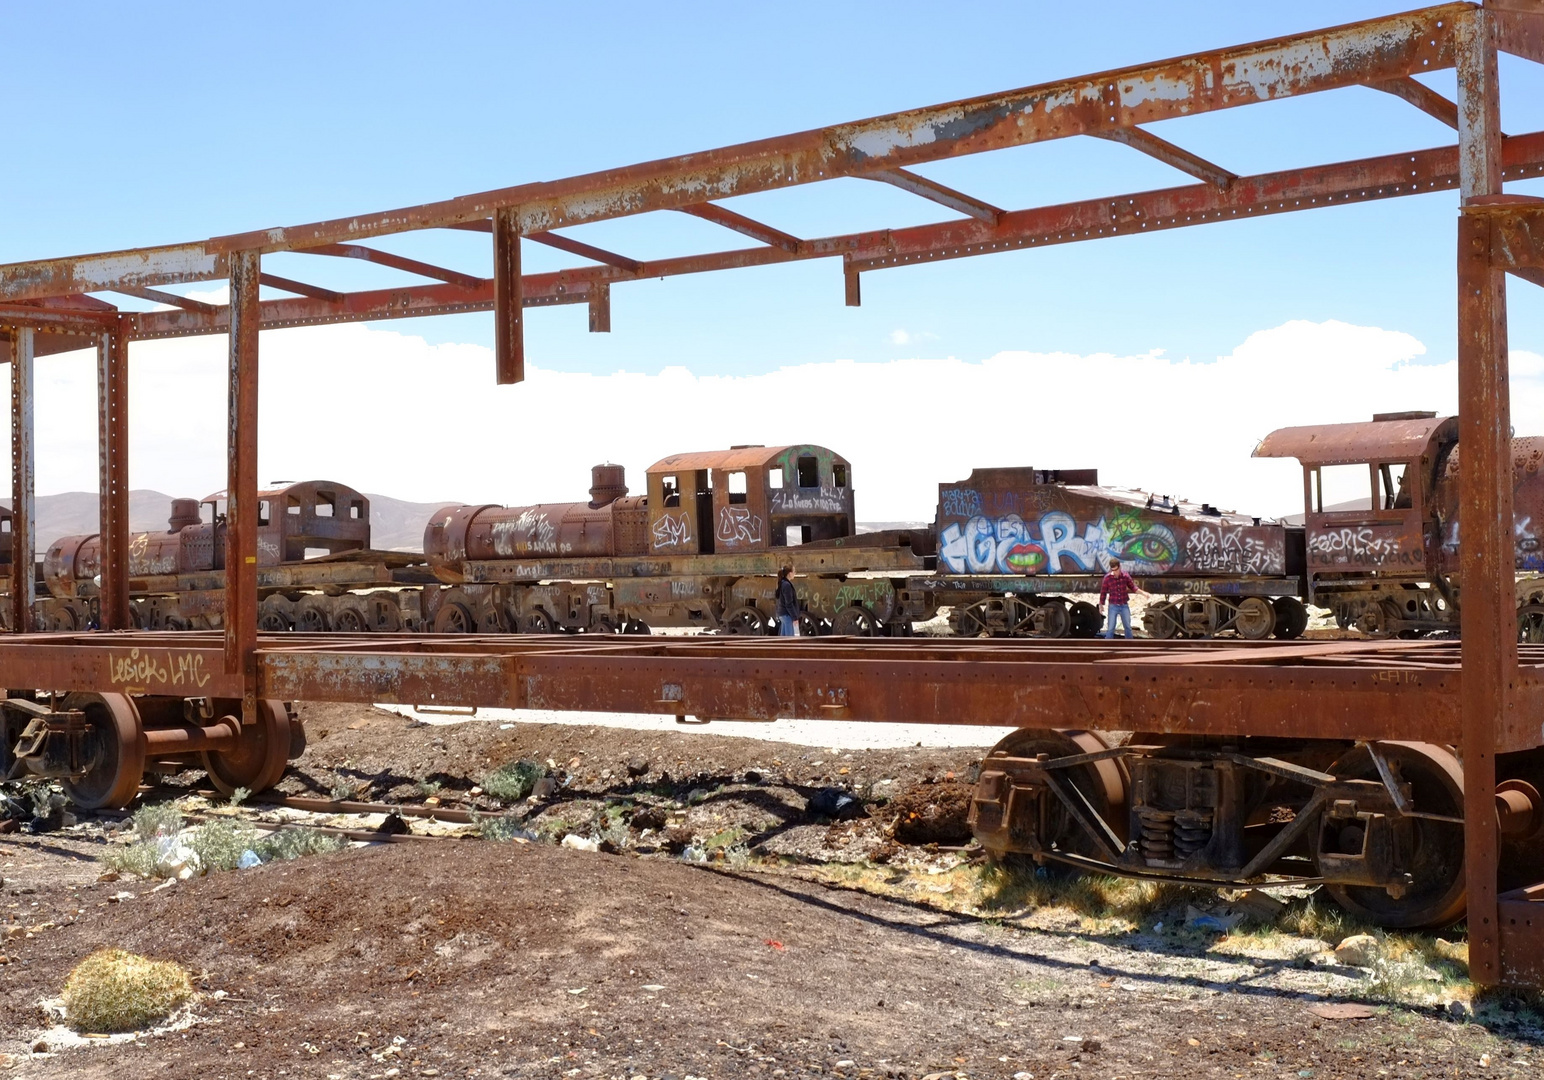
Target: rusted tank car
{"x":313,"y":547}
{"x":1013,"y":543}
{"x":701,"y":548}
{"x":1381,"y":512}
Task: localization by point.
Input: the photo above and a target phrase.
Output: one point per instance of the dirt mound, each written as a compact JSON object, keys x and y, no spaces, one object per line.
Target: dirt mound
{"x":933,"y":813}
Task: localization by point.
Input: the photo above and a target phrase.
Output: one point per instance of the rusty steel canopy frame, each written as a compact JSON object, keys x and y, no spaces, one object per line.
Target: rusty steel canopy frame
{"x":1483,"y":698}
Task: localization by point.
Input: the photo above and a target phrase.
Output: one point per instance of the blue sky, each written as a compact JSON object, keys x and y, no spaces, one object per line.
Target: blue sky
{"x":133,"y":128}
{"x":206,"y":119}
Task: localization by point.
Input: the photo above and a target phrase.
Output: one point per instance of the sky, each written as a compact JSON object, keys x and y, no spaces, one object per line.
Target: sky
{"x":1159,"y":359}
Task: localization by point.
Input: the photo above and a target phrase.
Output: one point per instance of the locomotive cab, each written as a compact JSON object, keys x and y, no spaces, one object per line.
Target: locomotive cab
{"x":1371,"y":512}
{"x":294,"y":522}
{"x":748,"y":499}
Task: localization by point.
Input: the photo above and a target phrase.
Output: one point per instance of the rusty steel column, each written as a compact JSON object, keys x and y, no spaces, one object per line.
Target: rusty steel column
{"x":23,"y":476}
{"x":600,"y":308}
{"x":1486,"y":560}
{"x":113,"y":449}
{"x":241,"y":481}
{"x":508,"y":299}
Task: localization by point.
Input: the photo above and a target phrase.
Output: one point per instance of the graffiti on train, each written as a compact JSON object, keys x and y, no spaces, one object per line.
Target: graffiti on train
{"x":1223,"y":550}
{"x":822,"y":500}
{"x":1055,"y":544}
{"x":672,"y":531}
{"x":1359,"y":546}
{"x":737,"y":525}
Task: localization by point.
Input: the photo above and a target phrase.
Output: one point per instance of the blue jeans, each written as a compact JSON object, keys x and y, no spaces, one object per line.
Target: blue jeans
{"x":1123,"y":612}
{"x":787,"y":626}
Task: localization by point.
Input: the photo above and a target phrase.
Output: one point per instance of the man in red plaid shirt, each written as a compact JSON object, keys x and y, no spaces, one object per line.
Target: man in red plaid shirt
{"x":1118,"y":586}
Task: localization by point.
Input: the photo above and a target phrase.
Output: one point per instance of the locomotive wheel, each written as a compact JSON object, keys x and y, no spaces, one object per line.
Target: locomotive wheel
{"x":810,"y":626}
{"x":745,"y":620}
{"x":350,"y":618}
{"x":491,"y":621}
{"x":454,"y":618}
{"x":273,"y":615}
{"x":258,"y":758}
{"x":971,"y":621}
{"x":1159,"y":621}
{"x":635,"y":626}
{"x":1085,"y":620}
{"x":1530,"y":624}
{"x":536,"y":621}
{"x":1255,"y":619}
{"x":1102,"y":783}
{"x":855,"y":620}
{"x":1431,"y":851}
{"x":116,"y":749}
{"x":1291,"y":617}
{"x":384,"y":614}
{"x":311,"y":617}
{"x":1052,"y":620}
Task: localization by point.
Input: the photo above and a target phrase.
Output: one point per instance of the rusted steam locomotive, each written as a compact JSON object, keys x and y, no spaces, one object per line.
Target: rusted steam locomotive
{"x":700,"y":549}
{"x":316,"y":570}
{"x":1381,"y":514}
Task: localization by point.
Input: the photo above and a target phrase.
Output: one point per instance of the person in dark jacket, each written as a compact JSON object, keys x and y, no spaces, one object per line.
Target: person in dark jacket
{"x":787,"y":604}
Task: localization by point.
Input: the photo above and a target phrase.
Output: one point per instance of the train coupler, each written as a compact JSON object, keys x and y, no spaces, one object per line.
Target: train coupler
{"x":54,"y":744}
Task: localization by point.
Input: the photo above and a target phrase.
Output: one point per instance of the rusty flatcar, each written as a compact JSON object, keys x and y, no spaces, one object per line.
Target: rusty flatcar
{"x":701,"y":548}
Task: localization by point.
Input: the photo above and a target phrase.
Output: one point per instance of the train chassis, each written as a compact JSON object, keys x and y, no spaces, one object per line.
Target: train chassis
{"x":100,"y":745}
{"x":1378,"y":824}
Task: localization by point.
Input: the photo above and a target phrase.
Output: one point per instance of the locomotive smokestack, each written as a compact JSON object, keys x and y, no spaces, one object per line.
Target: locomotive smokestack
{"x":607,"y":484}
{"x":184,"y":513}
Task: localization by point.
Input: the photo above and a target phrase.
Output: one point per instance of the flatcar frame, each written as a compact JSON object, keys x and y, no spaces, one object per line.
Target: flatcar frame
{"x":1482,"y":698}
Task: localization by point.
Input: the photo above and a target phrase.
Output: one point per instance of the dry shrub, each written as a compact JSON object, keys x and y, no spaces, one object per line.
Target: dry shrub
{"x":112,"y":990}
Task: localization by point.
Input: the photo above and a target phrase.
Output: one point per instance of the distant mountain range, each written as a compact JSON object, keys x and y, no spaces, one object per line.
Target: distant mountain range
{"x":394,"y":525}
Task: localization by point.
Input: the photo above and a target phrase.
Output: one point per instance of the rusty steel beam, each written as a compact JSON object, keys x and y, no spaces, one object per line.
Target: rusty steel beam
{"x":1519,"y":29}
{"x":1488,"y":617}
{"x":914,"y":184}
{"x":1175,"y":156}
{"x":396,"y":262}
{"x":600,"y":309}
{"x":745,"y":226}
{"x":1422,"y":97}
{"x":23,"y":480}
{"x":1381,"y":48}
{"x":587,"y":251}
{"x":301,"y":288}
{"x":241,"y":480}
{"x":113,"y":457}
{"x":167,"y":265}
{"x":508,"y":304}
{"x":1368,"y":179}
{"x":172,"y":299}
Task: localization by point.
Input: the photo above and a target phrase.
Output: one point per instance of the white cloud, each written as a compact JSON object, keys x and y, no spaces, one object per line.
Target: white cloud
{"x":900,"y":337}
{"x":392,"y":414}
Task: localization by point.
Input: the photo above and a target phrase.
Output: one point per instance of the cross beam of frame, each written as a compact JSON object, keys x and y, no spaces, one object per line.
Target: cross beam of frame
{"x":1289,"y":191}
{"x":1376,"y":50}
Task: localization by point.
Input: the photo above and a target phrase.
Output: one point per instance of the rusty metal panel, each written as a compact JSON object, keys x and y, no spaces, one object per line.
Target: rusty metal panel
{"x":1379,"y":440}
{"x":1520,"y":921}
{"x":23,"y":480}
{"x":406,"y":678}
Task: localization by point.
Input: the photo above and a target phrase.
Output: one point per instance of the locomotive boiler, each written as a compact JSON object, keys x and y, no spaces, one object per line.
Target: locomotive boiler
{"x":701,"y":548}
